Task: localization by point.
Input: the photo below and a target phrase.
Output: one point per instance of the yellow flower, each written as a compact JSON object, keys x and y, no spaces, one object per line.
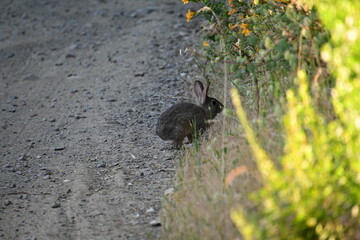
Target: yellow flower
{"x":189,"y":15}
{"x":246,"y":32}
{"x":205,"y":44}
{"x":243,"y":26}
{"x":185,"y":1}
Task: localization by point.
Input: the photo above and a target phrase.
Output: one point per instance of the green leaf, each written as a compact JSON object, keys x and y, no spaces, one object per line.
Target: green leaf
{"x":252,"y":40}
{"x":283,"y":45}
{"x":251,"y":67}
{"x":234,"y":67}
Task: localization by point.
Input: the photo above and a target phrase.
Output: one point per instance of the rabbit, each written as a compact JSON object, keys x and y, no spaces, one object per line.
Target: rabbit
{"x":185,"y":119}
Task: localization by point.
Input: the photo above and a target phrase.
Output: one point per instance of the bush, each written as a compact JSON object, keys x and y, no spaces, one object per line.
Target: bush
{"x":316,"y":193}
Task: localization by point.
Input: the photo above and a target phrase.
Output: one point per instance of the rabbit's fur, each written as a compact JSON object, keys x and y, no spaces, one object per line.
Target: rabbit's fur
{"x":184,"y":119}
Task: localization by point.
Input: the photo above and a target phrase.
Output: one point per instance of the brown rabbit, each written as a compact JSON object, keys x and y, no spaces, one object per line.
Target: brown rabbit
{"x":184,"y":119}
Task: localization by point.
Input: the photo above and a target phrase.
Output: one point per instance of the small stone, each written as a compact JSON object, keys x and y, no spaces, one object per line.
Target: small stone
{"x":30,"y":77}
{"x":101,"y":164}
{"x":59,"y":148}
{"x":111,"y":100}
{"x":46,"y":177}
{"x":22,"y":157}
{"x":74,"y":77}
{"x":73,"y":46}
{"x":10,"y":55}
{"x":149,"y":210}
{"x":7,"y":202}
{"x":22,"y":196}
{"x":79,"y":116}
{"x":70,"y":56}
{"x":55,"y":205}
{"x":7,"y":166}
{"x":155,"y":223}
{"x":169,"y":191}
{"x":139,"y":74}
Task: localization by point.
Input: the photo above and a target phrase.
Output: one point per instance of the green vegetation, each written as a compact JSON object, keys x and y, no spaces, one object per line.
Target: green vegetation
{"x":291,"y":168}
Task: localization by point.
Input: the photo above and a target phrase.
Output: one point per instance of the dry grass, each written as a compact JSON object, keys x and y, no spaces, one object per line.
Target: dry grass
{"x":201,"y":204}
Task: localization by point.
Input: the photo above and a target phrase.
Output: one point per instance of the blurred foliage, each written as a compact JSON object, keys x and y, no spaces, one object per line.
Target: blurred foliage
{"x":316,"y":193}
{"x":279,"y":52}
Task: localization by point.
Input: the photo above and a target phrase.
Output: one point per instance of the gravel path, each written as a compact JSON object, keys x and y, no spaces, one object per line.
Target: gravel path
{"x":81,"y":86}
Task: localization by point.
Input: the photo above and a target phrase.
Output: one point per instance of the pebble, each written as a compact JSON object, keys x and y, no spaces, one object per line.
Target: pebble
{"x":111,"y":100}
{"x":73,"y":46}
{"x":79,"y":116}
{"x":30,"y":77}
{"x":59,"y":148}
{"x":149,"y":210}
{"x":70,"y":55}
{"x":10,"y":55}
{"x":155,"y":223}
{"x":22,"y":157}
{"x":169,"y":191}
{"x":7,"y":166}
{"x":55,"y":205}
{"x":101,"y":164}
{"x":139,"y":74}
{"x":7,"y":202}
{"x":74,"y":77}
{"x":46,"y":177}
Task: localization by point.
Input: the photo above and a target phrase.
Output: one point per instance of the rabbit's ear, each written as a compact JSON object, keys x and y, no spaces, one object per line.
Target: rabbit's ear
{"x":198,"y":88}
{"x":200,"y":92}
{"x":207,"y":89}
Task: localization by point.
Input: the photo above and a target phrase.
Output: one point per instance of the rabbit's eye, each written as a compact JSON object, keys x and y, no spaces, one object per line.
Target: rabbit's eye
{"x":213,"y":102}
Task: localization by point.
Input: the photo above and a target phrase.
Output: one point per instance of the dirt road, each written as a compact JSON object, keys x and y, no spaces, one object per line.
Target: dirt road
{"x":81,"y":86}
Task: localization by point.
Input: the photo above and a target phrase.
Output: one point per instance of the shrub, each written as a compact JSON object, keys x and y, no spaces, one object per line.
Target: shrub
{"x":316,"y":193}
